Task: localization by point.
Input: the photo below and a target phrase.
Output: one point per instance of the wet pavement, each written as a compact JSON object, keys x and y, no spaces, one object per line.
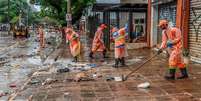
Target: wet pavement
{"x":19,"y":58}
{"x":45,"y":83}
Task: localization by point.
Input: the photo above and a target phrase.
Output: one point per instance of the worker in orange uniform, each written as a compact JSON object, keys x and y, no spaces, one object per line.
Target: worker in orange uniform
{"x":98,"y":43}
{"x":119,"y":37}
{"x":172,"y":40}
{"x":72,"y":38}
{"x":41,"y":37}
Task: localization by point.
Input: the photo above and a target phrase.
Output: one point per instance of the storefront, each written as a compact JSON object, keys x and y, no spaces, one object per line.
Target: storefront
{"x":134,"y":15}
{"x":163,"y":9}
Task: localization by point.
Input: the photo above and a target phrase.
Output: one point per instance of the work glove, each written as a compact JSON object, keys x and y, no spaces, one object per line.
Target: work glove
{"x":169,"y":44}
{"x":115,"y":35}
{"x":159,"y":51}
{"x":126,"y":27}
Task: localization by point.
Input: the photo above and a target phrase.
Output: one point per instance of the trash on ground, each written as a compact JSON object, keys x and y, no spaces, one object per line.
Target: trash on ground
{"x":92,"y":65}
{"x":118,"y":78}
{"x":96,"y":75}
{"x":68,"y":80}
{"x":3,"y":93}
{"x":41,"y":73}
{"x":81,"y":66}
{"x":34,"y":82}
{"x":17,"y":65}
{"x":49,"y":81}
{"x":144,"y":85}
{"x":82,"y":77}
{"x":109,"y":78}
{"x":12,"y":85}
{"x":63,"y":70}
{"x":66,"y":93}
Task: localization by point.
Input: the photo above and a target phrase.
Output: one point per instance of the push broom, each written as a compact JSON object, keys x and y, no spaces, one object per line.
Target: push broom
{"x":124,"y":78}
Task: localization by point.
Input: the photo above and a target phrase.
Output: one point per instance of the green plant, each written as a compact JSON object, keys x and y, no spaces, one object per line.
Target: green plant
{"x":186,"y":52}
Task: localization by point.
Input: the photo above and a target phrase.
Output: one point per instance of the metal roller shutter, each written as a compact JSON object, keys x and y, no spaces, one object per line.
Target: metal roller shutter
{"x":195,"y":30}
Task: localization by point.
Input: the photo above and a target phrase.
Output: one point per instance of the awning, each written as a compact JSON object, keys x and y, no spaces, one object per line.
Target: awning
{"x":159,"y":2}
{"x":100,"y":7}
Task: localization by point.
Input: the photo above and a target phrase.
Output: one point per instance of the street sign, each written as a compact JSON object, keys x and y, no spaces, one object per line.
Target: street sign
{"x":83,"y":18}
{"x":68,"y":17}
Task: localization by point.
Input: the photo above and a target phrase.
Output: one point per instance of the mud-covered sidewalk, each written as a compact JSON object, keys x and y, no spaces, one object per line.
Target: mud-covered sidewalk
{"x":55,"y":83}
{"x":18,"y":59}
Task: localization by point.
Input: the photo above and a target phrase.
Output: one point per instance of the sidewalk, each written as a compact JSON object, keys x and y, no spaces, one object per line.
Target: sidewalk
{"x":65,"y":89}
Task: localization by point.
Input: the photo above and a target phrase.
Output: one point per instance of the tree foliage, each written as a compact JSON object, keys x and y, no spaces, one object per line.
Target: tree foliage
{"x":11,"y":9}
{"x":56,"y":9}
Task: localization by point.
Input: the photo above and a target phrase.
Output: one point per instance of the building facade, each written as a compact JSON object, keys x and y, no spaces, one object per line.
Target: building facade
{"x":183,"y":14}
{"x":118,"y":13}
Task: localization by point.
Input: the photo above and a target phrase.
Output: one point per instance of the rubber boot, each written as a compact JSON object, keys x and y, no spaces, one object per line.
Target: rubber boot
{"x":116,"y":63}
{"x":91,"y":55}
{"x":104,"y":54}
{"x":75,"y":59}
{"x":184,"y":73}
{"x":171,"y":75}
{"x":122,"y":60}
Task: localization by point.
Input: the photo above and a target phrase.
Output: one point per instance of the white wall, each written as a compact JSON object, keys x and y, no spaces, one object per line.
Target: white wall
{"x":154,"y":23}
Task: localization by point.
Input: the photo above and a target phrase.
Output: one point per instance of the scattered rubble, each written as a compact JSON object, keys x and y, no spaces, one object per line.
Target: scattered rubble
{"x":115,"y":78}
{"x":82,"y":77}
{"x":24,"y":56}
{"x":12,"y":85}
{"x":3,"y":93}
{"x":49,"y":81}
{"x":3,"y":60}
{"x":96,"y":75}
{"x":64,"y":70}
{"x":92,"y":65}
{"x":34,"y":82}
{"x":109,"y":78}
{"x":118,"y":78}
{"x":35,"y":74}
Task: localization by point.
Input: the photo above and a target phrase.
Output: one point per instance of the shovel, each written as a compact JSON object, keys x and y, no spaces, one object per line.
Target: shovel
{"x":124,"y":78}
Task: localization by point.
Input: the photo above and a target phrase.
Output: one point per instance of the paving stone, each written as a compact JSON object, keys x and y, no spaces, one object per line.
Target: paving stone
{"x":101,"y":90}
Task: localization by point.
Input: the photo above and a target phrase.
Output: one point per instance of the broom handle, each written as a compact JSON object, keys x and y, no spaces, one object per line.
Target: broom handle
{"x":140,"y":66}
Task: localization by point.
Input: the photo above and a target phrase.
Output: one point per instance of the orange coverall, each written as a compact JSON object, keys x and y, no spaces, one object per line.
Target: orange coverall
{"x":119,"y":39}
{"x":41,"y":36}
{"x":74,"y":43}
{"x":98,"y":43}
{"x":173,"y":35}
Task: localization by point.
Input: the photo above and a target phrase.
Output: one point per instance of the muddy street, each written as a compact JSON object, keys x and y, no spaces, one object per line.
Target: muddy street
{"x":100,"y":50}
{"x":19,"y":58}
{"x":60,"y":80}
